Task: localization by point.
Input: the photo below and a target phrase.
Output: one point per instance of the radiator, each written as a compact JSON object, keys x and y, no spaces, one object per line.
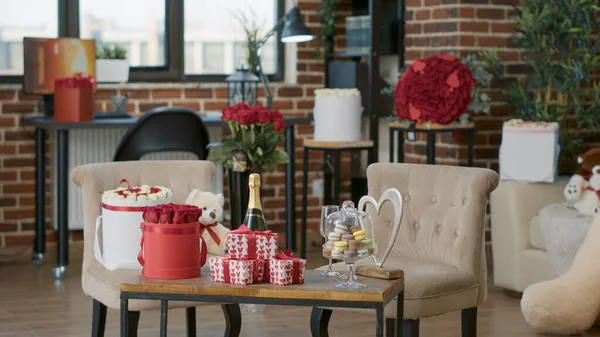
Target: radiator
{"x":88,"y":146}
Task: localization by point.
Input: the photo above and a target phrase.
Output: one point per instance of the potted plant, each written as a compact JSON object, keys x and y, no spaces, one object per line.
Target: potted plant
{"x":112,"y":65}
{"x":251,"y":147}
{"x":559,"y":91}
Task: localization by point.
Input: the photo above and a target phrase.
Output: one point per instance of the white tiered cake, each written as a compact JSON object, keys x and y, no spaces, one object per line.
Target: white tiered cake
{"x":337,"y":115}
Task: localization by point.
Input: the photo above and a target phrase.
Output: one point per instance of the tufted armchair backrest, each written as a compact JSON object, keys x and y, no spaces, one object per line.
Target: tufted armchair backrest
{"x":444,"y":210}
{"x":180,"y":175}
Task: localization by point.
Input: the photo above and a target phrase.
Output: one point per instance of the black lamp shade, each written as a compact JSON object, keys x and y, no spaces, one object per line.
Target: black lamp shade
{"x":294,"y":30}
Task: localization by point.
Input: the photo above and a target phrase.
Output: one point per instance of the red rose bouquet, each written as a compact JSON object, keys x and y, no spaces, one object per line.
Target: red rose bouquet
{"x":436,"y":89}
{"x":255,"y":130}
{"x":171,"y":214}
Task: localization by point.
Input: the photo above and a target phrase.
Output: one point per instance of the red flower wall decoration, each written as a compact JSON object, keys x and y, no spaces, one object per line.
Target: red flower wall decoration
{"x":436,"y":89}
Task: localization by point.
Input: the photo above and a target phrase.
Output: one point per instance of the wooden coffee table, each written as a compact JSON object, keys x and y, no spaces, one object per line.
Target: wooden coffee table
{"x":317,"y":291}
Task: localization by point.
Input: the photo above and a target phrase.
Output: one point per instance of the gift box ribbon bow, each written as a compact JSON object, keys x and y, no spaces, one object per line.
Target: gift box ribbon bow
{"x":296,"y":263}
{"x":210,"y":231}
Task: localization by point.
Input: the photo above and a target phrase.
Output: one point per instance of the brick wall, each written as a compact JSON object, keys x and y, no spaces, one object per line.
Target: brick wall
{"x":432,"y":26}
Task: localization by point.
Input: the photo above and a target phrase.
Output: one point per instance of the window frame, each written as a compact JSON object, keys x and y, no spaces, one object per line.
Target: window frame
{"x":173,"y":70}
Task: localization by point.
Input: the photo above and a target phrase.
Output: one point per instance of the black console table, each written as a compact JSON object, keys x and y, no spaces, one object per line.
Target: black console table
{"x":47,"y":124}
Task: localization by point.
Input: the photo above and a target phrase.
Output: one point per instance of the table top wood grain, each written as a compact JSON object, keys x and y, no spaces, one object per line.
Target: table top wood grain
{"x":338,"y":145}
{"x":316,"y":287}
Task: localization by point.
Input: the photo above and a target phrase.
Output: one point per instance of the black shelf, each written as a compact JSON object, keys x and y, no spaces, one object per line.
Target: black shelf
{"x":350,"y":54}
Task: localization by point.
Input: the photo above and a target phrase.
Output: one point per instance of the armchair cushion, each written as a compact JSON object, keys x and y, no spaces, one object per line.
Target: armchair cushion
{"x":535,"y":234}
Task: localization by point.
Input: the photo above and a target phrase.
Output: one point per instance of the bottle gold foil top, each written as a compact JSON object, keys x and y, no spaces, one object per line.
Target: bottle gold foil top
{"x":254,"y":197}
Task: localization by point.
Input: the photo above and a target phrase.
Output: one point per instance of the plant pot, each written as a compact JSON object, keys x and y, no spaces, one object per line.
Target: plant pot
{"x":171,"y":251}
{"x":529,"y":154}
{"x":112,"y":71}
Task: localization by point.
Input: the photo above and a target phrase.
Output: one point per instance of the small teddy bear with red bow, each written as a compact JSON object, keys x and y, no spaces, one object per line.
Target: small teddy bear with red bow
{"x":583,"y":189}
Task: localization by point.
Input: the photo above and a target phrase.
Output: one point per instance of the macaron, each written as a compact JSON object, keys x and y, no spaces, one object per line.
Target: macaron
{"x":326,"y":252}
{"x":347,"y":237}
{"x":337,"y":252}
{"x":366,"y":243}
{"x":330,"y":244}
{"x":350,"y":252}
{"x":353,"y":244}
{"x":354,"y":229}
{"x":333,"y":236}
{"x":341,"y":228}
{"x":341,"y":244}
{"x":360,"y":237}
{"x":360,"y":233}
{"x":363,"y":252}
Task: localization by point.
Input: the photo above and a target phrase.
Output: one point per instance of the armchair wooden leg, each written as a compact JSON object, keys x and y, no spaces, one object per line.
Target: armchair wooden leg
{"x":469,"y":322}
{"x":233,"y":319}
{"x":190,"y":320}
{"x":98,"y":319}
{"x":133,"y":320}
{"x":411,"y":327}
{"x":319,"y":322}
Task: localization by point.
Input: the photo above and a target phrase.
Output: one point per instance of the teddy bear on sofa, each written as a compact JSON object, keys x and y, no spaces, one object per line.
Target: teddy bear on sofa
{"x":213,"y":233}
{"x":583,"y":189}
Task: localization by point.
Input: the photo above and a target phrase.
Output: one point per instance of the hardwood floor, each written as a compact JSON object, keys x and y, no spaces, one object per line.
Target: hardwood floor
{"x":33,"y":305}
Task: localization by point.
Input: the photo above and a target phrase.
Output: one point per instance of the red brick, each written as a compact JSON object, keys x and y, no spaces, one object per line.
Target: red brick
{"x":500,"y":27}
{"x":144,"y":107}
{"x":490,"y":41}
{"x":308,"y":6}
{"x":20,"y":107}
{"x":413,"y":28}
{"x":490,"y":13}
{"x":170,"y":93}
{"x":23,"y":188}
{"x":14,"y":135}
{"x":8,"y":149}
{"x":18,"y":214}
{"x":8,"y":176}
{"x":6,"y":227}
{"x":301,"y":67}
{"x":191,"y":105}
{"x":306,"y":54}
{"x":441,"y":13}
{"x":18,"y":162}
{"x":8,"y":121}
{"x":211,"y":106}
{"x":289,"y":92}
{"x":8,"y":201}
{"x":413,"y":3}
{"x":283,"y":105}
{"x":466,"y":40}
{"x":434,"y":27}
{"x":509,"y":56}
{"x":139,"y":94}
{"x":7,"y":94}
{"x":422,"y":14}
{"x":479,"y":27}
{"x":19,"y":239}
{"x":310,"y":79}
{"x":105,"y":94}
{"x":305,"y":104}
{"x":197,"y":93}
{"x":221,"y":93}
{"x":465,"y":12}
{"x":310,"y":91}
{"x":432,"y":2}
{"x":489,"y":124}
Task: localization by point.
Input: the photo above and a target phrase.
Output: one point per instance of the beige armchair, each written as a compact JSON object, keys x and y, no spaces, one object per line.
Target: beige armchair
{"x":440,"y":245}
{"x":102,"y":284}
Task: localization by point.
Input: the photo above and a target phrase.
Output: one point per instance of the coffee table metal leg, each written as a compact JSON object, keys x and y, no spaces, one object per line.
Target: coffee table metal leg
{"x":233,"y":319}
{"x":379,"y":322}
{"x":399,"y":314}
{"x":124,"y":309}
{"x":164,"y":306}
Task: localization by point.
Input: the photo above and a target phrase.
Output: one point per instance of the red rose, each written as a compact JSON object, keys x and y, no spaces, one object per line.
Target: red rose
{"x":193,"y":214}
{"x":150,"y":215}
{"x":436,"y":89}
{"x":179,"y":214}
{"x":166,"y":214}
{"x":231,"y":113}
{"x":279,"y":125}
{"x":263,"y":115}
{"x":247,"y":117}
{"x":276,"y":116}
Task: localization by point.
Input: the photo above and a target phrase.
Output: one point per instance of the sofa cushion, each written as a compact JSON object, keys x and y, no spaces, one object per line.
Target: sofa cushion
{"x":536,"y":239}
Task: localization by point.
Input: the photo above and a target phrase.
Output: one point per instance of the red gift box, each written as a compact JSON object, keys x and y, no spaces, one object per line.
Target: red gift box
{"x":74,"y":99}
{"x":285,"y":269}
{"x":245,"y":244}
{"x":227,"y":270}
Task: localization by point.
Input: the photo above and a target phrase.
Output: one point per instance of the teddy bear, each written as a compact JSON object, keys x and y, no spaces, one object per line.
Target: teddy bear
{"x":214,"y":234}
{"x":583,"y":189}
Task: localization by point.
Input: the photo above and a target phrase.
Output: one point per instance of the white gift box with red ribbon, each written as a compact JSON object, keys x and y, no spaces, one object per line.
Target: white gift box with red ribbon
{"x":227,"y":270}
{"x":118,"y":234}
{"x":243,"y":243}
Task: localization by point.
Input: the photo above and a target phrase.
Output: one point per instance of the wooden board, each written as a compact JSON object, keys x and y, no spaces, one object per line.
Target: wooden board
{"x":382,"y":273}
{"x":316,"y":287}
{"x":434,"y":126}
{"x":338,"y":145}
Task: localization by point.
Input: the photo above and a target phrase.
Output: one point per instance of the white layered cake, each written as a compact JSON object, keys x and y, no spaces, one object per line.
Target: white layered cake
{"x":337,"y":115}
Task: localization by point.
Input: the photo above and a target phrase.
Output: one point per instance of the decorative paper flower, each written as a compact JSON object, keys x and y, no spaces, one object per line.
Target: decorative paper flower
{"x":144,"y":192}
{"x":171,"y":214}
{"x":436,"y":89}
{"x":519,"y":123}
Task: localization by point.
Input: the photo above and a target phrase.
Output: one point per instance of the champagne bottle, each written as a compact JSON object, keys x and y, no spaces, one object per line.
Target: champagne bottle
{"x":255,"y":220}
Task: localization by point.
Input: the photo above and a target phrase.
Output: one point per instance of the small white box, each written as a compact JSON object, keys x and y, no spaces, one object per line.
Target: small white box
{"x":529,"y":154}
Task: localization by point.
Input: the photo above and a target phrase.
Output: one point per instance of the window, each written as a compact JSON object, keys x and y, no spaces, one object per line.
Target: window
{"x":136,"y":25}
{"x":218,"y":26}
{"x":18,"y":20}
{"x":166,"y":40}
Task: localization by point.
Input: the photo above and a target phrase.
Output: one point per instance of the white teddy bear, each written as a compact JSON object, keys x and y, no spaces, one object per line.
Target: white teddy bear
{"x":212,"y":213}
{"x":585,"y":194}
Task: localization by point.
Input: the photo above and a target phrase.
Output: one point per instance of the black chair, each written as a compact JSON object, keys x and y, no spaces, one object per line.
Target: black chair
{"x":164,"y":129}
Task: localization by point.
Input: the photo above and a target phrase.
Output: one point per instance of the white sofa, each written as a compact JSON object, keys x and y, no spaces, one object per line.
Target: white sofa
{"x":518,"y":247}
